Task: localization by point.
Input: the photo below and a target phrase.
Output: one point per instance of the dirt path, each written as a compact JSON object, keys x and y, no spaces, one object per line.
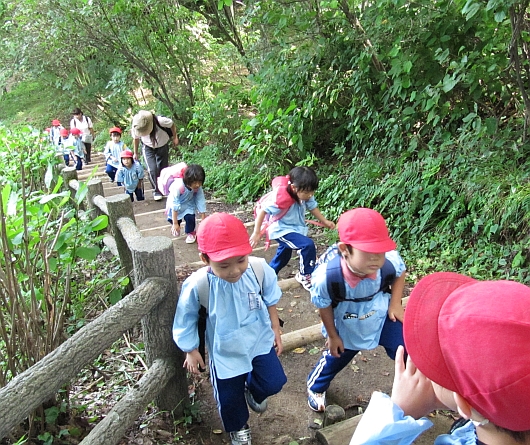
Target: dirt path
{"x":288,"y":419}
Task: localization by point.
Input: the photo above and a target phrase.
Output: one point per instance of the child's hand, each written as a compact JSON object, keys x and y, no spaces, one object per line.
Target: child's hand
{"x":175,"y":230}
{"x":412,"y":391}
{"x":329,"y":224}
{"x":254,"y":239}
{"x":335,"y":345}
{"x":193,"y":362}
{"x":396,"y":311}
{"x":278,"y":341}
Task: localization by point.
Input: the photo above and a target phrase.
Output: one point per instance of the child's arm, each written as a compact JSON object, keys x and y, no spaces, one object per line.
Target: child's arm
{"x":175,"y":229}
{"x":256,"y":235}
{"x":334,"y":342}
{"x":193,"y":361}
{"x":275,"y":322}
{"x":316,"y":213}
{"x":395,"y":308}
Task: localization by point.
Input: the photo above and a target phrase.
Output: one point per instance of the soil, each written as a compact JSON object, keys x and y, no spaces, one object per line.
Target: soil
{"x":288,"y":419}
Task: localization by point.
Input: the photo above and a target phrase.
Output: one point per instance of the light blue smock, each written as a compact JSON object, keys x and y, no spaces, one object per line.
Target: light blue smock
{"x":292,"y":221}
{"x":359,"y":324}
{"x":238,"y":327}
{"x":113,"y":150}
{"x":384,"y":423}
{"x":130,"y":177}
{"x":184,"y":200}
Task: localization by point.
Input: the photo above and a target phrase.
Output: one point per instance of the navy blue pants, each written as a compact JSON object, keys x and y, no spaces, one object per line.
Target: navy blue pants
{"x":266,"y":379}
{"x":328,"y":366}
{"x":78,"y":162}
{"x":295,"y":241}
{"x":190,"y":222}
{"x":111,"y":172}
{"x":138,"y":192}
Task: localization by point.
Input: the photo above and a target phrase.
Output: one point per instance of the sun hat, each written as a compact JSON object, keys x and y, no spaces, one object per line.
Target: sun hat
{"x":76,"y":131}
{"x":222,"y":236}
{"x":142,"y":124}
{"x":56,"y":122}
{"x":115,"y":130}
{"x":64,"y":132}
{"x":126,"y":154}
{"x":472,"y":337}
{"x":365,"y":229}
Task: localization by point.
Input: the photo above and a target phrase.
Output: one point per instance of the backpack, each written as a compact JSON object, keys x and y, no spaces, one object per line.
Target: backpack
{"x":168,"y":176}
{"x":278,"y":196}
{"x":169,"y":131}
{"x":335,"y":280}
{"x":203,"y":289}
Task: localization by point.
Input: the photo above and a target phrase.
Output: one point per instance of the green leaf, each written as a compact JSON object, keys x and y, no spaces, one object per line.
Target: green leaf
{"x":448,"y":83}
{"x":115,"y":296}
{"x":88,"y":253}
{"x":99,"y":223}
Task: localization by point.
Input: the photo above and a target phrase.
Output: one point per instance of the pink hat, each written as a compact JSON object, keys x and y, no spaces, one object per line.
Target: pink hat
{"x":472,"y":337}
{"x":56,"y":122}
{"x":64,"y":132}
{"x":222,"y":236}
{"x":365,"y":229}
{"x":76,"y":131}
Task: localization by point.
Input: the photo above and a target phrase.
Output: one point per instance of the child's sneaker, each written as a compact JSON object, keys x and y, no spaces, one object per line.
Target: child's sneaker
{"x":191,"y":238}
{"x":241,"y":437}
{"x":316,"y":401}
{"x":255,"y":406}
{"x":304,"y":280}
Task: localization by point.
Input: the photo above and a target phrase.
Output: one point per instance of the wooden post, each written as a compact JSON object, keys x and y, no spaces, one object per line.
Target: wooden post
{"x":120,"y":206}
{"x":95,"y":188}
{"x":69,"y":173}
{"x":154,"y":256}
{"x":339,"y":433}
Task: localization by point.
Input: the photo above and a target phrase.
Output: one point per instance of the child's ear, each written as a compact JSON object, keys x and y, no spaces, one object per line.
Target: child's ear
{"x":204,"y":258}
{"x":343,"y":248}
{"x":464,"y":408}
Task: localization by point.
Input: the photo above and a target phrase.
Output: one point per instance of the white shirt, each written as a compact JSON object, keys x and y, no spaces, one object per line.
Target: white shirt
{"x":84,"y":125}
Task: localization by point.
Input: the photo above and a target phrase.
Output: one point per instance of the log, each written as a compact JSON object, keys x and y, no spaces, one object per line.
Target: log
{"x":339,"y":433}
{"x":113,"y":427}
{"x":27,"y":391}
{"x":301,"y":337}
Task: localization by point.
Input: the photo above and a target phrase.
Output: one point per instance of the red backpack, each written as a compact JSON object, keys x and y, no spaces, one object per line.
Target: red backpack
{"x":168,"y":175}
{"x":278,"y":196}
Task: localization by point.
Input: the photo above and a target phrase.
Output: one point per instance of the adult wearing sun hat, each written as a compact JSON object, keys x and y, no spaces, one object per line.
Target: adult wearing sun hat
{"x":469,"y":351}
{"x":154,"y":132}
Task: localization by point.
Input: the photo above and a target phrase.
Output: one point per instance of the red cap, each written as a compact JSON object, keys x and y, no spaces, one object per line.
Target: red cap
{"x":222,"y":236}
{"x":472,"y":337}
{"x":115,"y":130}
{"x":365,"y":229}
{"x":126,"y":154}
{"x":56,"y":122}
{"x":64,"y":132}
{"x":47,"y":130}
{"x":75,"y":131}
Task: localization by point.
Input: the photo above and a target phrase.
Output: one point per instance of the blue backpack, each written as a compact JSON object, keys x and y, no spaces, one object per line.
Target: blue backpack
{"x":335,"y":280}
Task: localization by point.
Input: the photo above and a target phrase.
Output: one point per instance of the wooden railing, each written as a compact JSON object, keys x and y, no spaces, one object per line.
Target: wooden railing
{"x":150,"y":261}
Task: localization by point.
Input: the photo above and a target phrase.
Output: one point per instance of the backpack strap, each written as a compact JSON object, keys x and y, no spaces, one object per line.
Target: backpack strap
{"x":337,"y":289}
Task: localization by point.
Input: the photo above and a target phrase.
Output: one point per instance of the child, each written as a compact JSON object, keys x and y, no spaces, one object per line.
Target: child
{"x":368,"y":316}
{"x":186,"y":197}
{"x":77,"y":148}
{"x":55,"y":133}
{"x":112,"y":152}
{"x":131,"y":174}
{"x":242,"y":327}
{"x":469,"y":352}
{"x":63,"y":145}
{"x":291,"y":230}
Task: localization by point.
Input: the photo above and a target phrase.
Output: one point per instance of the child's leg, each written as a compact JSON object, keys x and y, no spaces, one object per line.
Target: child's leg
{"x":327,"y":368}
{"x":282,"y":257}
{"x":111,"y":172}
{"x":79,"y":163}
{"x":392,"y":337}
{"x":131,"y":195}
{"x":190,"y":223}
{"x":306,"y":246}
{"x":267,"y":376}
{"x":231,"y":402}
{"x":139,"y":193}
{"x":66,"y":160}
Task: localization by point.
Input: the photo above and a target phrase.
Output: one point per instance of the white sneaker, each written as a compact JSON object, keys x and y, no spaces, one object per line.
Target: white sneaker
{"x":304,"y":280}
{"x":316,"y":400}
{"x":191,"y":238}
{"x":157,"y":196}
{"x":241,"y":437}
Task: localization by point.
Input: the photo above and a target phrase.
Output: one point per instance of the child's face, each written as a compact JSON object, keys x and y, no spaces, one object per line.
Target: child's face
{"x":115,"y":137}
{"x":195,"y":185}
{"x":231,"y":269}
{"x":303,"y":195}
{"x":127,"y":162}
{"x":361,"y":262}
